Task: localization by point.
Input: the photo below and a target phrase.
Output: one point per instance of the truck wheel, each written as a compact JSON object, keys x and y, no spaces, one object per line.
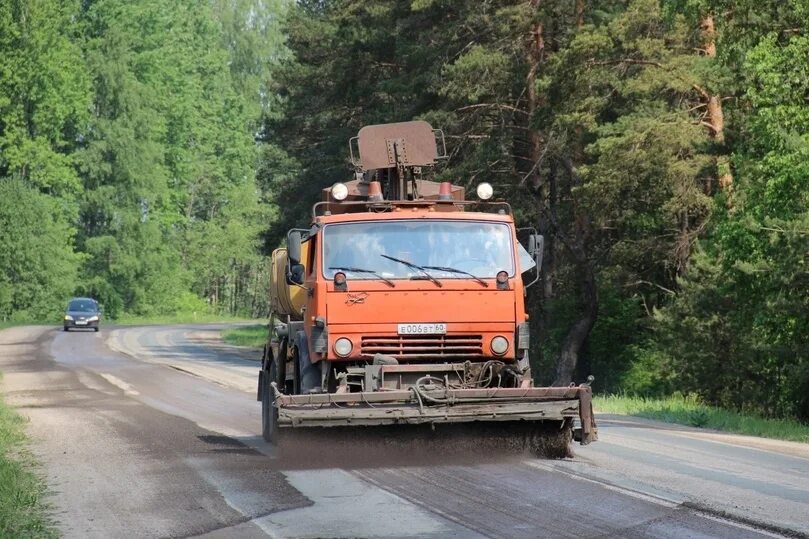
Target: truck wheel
{"x":269,"y":413}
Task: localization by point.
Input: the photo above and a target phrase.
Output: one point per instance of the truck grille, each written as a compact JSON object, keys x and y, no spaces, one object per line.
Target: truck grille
{"x":423,"y":346}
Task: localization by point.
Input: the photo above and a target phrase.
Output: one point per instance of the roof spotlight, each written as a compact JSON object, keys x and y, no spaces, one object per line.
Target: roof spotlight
{"x":339,"y":191}
{"x":485,"y":191}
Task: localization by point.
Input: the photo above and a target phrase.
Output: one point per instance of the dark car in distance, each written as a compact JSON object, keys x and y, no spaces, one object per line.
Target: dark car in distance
{"x":82,"y":313}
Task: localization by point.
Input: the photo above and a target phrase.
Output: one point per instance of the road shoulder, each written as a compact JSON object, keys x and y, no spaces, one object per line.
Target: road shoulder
{"x":116,"y":467}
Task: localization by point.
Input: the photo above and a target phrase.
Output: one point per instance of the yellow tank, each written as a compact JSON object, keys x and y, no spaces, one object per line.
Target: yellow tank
{"x":286,"y":299}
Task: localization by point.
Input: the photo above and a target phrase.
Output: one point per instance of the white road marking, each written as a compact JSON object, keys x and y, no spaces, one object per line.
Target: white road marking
{"x":117,"y":382}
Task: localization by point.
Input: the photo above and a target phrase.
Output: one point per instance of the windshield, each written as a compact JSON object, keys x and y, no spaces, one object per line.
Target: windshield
{"x":479,"y":248}
{"x":82,"y":306}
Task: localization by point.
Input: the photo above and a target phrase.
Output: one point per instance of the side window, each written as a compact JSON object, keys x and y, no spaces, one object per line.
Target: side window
{"x":311,"y":248}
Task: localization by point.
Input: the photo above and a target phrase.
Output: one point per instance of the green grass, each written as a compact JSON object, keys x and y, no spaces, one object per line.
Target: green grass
{"x":254,"y":336}
{"x":132,"y":320}
{"x":22,"y":507}
{"x":187,"y":318}
{"x":689,"y":410}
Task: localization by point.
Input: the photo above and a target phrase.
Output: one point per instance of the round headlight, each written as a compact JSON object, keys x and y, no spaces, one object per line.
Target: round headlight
{"x":339,"y":191}
{"x":339,"y":278}
{"x":485,"y":191}
{"x":499,"y":345}
{"x":342,"y":347}
{"x":502,"y":277}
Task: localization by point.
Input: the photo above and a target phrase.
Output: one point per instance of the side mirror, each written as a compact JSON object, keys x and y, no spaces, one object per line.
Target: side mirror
{"x":533,"y":241}
{"x":294,"y":247}
{"x":296,"y":272}
{"x":536,"y":248}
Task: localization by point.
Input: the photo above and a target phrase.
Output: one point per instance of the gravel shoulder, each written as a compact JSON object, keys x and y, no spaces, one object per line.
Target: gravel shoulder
{"x":119,"y":468}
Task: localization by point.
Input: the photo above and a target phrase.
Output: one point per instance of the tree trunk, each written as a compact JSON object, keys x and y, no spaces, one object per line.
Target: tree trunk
{"x":544,"y":188}
{"x":579,"y":14}
{"x":549,"y":258}
{"x":535,"y":53}
{"x":577,"y":336}
{"x":715,"y":115}
{"x":578,"y":333}
{"x":541,"y":188}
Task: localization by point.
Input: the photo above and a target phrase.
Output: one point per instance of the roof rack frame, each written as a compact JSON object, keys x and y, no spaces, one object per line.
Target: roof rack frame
{"x":388,"y":205}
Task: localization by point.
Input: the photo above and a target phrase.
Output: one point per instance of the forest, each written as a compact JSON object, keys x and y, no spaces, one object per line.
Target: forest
{"x":153,"y":153}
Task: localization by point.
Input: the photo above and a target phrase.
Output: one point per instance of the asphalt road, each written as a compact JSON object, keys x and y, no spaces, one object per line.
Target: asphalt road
{"x":154,"y":432}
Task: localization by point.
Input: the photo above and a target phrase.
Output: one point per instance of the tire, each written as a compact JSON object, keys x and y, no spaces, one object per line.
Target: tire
{"x":67,"y":329}
{"x":269,"y":413}
{"x":95,"y":329}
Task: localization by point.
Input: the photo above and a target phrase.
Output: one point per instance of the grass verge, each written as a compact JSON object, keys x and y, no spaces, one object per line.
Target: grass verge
{"x":688,"y":410}
{"x":254,"y":336}
{"x":183,"y":318}
{"x":22,"y":508}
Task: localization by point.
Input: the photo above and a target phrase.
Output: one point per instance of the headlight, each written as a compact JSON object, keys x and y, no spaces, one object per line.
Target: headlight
{"x":68,"y":317}
{"x":339,"y":191}
{"x":93,"y":319}
{"x":342,"y":347}
{"x":499,"y":345}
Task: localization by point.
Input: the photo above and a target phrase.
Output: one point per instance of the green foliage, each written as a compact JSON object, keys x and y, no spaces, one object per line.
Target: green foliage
{"x":738,"y":332}
{"x":613,"y":336}
{"x":39,"y":266}
{"x":44,"y":97}
{"x":477,"y":75}
{"x":136,"y":122}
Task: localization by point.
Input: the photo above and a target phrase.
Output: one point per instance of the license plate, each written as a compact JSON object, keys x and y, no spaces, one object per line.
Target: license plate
{"x":422,"y":329}
{"x":81,"y":322}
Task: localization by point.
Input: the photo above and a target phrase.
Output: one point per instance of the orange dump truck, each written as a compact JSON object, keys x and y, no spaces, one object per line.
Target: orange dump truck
{"x":403,"y":303}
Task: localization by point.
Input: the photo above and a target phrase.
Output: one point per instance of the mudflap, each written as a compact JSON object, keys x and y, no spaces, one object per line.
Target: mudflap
{"x":309,"y":372}
{"x":260,"y":388}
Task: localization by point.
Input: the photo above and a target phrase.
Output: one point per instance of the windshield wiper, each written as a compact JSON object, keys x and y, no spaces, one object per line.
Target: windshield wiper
{"x":363,"y":270}
{"x":455,"y":270}
{"x":414,"y":266}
